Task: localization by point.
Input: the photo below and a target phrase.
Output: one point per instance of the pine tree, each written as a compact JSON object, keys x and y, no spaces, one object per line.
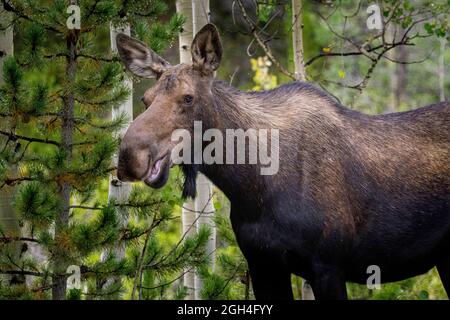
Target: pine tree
{"x":59,"y":89}
{"x":8,"y":219}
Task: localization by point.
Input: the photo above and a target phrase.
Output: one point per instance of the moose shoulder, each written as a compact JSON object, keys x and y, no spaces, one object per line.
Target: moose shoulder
{"x":352,"y":190}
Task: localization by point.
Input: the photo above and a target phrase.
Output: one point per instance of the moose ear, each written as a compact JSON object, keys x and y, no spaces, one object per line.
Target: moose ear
{"x":206,"y":50}
{"x":140,"y":59}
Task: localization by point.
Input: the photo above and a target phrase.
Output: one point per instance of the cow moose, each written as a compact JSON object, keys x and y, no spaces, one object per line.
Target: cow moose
{"x":352,"y":190}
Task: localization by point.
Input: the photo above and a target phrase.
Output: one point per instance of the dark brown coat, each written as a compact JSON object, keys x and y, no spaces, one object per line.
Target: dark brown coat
{"x":352,"y":190}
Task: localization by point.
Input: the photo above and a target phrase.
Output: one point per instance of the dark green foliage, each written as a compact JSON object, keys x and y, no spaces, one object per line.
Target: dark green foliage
{"x":38,"y":205}
{"x":230,"y":278}
{"x":49,"y":146}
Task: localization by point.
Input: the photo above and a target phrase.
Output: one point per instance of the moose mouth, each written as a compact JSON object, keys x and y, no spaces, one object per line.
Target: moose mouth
{"x":158,"y":173}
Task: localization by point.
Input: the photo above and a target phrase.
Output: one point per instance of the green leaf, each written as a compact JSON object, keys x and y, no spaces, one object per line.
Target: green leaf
{"x":423,"y":295}
{"x":12,"y":74}
{"x":217,"y":205}
{"x":428,"y":28}
{"x":440,"y":32}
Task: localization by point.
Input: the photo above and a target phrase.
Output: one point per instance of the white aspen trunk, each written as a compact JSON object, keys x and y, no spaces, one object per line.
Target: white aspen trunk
{"x":307,"y":292}
{"x":300,"y":74}
{"x":200,"y":13}
{"x":441,"y":70}
{"x":204,"y":209}
{"x":34,"y":251}
{"x":8,"y":219}
{"x":189,"y":230}
{"x":184,"y":7}
{"x":297,"y":39}
{"x":204,"y":206}
{"x":119,"y":191}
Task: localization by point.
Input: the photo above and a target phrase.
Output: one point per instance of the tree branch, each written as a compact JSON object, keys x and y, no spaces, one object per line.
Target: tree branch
{"x":7,"y":6}
{"x":11,"y":239}
{"x":262,"y":43}
{"x":22,"y":272}
{"x":15,"y":136}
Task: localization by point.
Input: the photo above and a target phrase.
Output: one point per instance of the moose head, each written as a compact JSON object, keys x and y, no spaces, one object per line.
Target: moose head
{"x":181,"y":95}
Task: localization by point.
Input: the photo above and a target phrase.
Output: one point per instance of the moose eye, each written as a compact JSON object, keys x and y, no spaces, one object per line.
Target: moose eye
{"x":188,"y":99}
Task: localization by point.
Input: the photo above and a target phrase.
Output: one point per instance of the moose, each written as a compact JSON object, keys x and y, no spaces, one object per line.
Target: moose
{"x":352,"y":191}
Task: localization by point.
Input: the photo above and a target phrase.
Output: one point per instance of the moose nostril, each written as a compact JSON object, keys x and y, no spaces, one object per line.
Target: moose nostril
{"x":123,"y":164}
{"x":133,"y":161}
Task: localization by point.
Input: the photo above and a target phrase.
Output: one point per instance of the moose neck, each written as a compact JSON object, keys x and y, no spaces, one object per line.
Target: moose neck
{"x":234,"y":109}
{"x":298,"y":111}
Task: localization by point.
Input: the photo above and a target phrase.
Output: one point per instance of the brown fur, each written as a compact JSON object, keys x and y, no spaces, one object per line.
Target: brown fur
{"x":352,"y":189}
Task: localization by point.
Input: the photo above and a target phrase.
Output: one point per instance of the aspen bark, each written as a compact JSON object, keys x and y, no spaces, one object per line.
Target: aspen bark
{"x":441,"y":70}
{"x":201,"y":13}
{"x":189,"y":230}
{"x":119,"y":191}
{"x":300,"y":74}
{"x":184,"y":7}
{"x":204,"y":209}
{"x":297,"y":39}
{"x":204,"y":206}
{"x":8,"y":218}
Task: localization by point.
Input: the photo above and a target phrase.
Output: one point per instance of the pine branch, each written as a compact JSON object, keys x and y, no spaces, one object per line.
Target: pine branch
{"x":262,"y":43}
{"x":92,"y":9}
{"x":7,"y":7}
{"x":103,"y":59}
{"x":193,"y":223}
{"x":227,"y":282}
{"x":22,"y":272}
{"x":39,"y":140}
{"x":86,"y":79}
{"x":138,"y":275}
{"x":168,"y":282}
{"x":11,"y":239}
{"x":353,"y":53}
{"x":139,"y":205}
{"x":126,"y":232}
{"x":13,"y":181}
{"x":83,"y":143}
{"x":57,"y":55}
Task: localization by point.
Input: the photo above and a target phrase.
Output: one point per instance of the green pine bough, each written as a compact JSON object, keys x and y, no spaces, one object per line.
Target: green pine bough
{"x":55,"y":129}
